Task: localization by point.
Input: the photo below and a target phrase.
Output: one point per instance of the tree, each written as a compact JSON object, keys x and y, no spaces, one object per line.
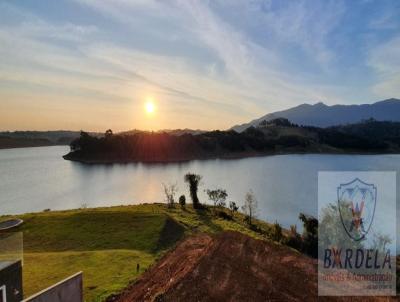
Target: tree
{"x":193,"y":181}
{"x":218,"y":196}
{"x":182,"y":201}
{"x":108,"y":133}
{"x":233,"y":207}
{"x":170,"y":191}
{"x":250,"y":206}
{"x":84,"y":135}
{"x":310,"y":235}
{"x":80,"y":142}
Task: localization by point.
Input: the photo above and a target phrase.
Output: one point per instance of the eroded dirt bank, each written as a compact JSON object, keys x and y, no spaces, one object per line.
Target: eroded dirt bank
{"x":229,"y":267}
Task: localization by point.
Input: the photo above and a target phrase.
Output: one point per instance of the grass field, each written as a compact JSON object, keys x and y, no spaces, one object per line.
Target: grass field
{"x":107,"y":243}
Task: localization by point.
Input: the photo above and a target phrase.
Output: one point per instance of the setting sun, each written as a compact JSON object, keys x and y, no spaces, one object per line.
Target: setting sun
{"x":149,"y":107}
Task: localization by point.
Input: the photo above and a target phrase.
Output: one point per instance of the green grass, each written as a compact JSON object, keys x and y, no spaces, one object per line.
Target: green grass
{"x":105,"y":272}
{"x":90,"y":230}
{"x":107,"y":243}
{"x":206,"y":221}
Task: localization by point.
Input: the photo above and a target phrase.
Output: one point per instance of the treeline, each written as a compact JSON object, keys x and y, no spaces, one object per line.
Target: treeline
{"x":163,"y":147}
{"x":383,"y":132}
{"x":277,"y":136}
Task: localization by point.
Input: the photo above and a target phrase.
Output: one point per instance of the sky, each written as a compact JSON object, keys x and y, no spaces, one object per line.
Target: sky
{"x":93,"y":65}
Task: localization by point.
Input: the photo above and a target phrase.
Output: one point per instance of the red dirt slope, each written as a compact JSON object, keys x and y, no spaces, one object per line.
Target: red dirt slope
{"x":228,"y":267}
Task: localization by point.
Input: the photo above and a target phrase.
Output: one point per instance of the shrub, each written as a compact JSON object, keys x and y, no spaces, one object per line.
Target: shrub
{"x":276,"y":233}
{"x":222,"y":214}
{"x":233,"y":207}
{"x":256,"y":229}
{"x":294,"y":238}
{"x":182,"y":201}
{"x":310,"y":235}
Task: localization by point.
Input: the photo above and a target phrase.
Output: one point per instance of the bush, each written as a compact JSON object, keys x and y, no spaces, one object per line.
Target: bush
{"x":233,"y":207}
{"x":256,"y":228}
{"x":182,"y":201}
{"x":294,"y":238}
{"x":310,"y":235}
{"x":222,"y":214}
{"x":276,"y":233}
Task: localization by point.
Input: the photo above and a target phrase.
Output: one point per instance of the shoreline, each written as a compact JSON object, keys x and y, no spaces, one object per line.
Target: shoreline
{"x":41,"y":146}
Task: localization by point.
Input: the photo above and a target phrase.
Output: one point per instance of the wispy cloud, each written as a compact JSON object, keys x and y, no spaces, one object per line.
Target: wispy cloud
{"x":200,"y":59}
{"x":305,"y":24}
{"x":385,"y":60}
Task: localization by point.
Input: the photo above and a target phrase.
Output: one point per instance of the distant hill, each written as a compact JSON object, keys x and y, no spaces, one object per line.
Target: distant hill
{"x":179,"y":132}
{"x":10,"y":142}
{"x":23,"y":139}
{"x":176,"y":132}
{"x":278,"y":136}
{"x":321,"y":115}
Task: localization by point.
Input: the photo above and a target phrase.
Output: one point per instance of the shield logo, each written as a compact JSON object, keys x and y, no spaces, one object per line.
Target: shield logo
{"x":357,"y":203}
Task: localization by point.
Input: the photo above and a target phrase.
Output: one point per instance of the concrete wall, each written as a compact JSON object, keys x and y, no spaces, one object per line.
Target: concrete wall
{"x":11,"y":280}
{"x":68,"y":290}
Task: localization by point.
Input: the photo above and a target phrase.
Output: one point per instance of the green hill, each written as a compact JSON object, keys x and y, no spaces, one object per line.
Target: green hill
{"x":278,"y":136}
{"x":107,"y":243}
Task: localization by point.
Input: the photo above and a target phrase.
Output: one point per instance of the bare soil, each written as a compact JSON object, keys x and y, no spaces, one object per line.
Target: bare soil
{"x":229,"y":267}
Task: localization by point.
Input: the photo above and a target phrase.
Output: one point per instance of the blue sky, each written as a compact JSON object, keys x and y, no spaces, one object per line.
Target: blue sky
{"x":89,"y":64}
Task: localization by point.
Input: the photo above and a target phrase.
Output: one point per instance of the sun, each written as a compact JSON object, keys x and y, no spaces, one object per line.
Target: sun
{"x":149,"y":106}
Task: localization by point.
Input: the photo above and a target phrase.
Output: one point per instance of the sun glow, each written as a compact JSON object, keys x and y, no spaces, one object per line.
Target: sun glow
{"x":149,"y":106}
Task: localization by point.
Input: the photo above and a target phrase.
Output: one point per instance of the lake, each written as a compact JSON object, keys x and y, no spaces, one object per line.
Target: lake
{"x":34,"y":179}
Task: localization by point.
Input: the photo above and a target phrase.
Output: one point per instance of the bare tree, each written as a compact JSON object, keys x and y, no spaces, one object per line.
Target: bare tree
{"x":170,"y":191}
{"x":380,"y":241}
{"x":250,"y":206}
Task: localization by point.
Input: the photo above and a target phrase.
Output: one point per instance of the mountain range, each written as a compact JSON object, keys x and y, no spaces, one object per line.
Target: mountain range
{"x":321,"y":115}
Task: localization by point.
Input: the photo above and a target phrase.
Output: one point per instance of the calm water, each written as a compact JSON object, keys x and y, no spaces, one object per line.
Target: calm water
{"x":34,"y":179}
